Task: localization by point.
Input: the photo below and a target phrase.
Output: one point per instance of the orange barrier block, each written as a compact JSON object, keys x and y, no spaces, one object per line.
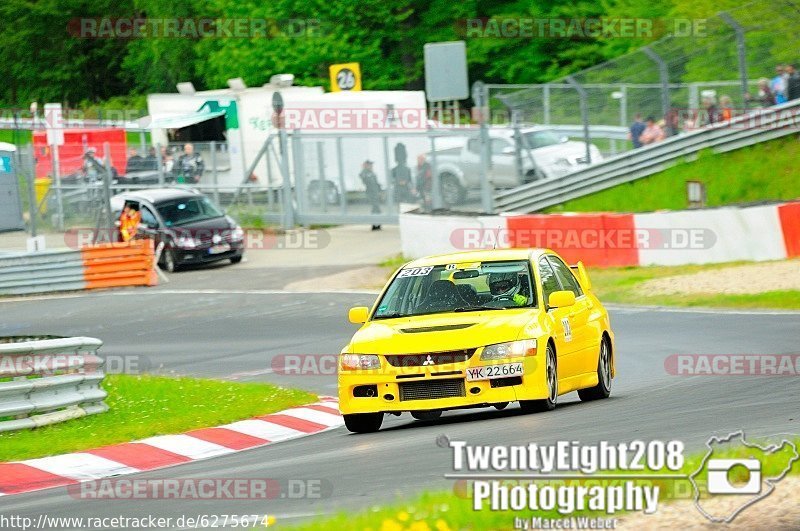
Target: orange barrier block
{"x":789,"y":215}
{"x":119,"y":264}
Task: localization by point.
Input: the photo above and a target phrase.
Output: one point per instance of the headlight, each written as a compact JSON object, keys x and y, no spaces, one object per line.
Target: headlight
{"x":237,"y":234}
{"x":186,"y":242}
{"x":512,"y":349}
{"x":355,"y":362}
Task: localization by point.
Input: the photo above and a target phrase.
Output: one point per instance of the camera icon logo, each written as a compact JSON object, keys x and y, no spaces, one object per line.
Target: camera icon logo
{"x":719,"y":479}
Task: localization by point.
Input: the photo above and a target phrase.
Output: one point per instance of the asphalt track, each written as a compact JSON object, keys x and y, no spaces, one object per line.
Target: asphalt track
{"x":220,"y":332}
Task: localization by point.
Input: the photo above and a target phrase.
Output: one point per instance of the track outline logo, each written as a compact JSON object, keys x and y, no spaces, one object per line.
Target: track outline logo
{"x":763,"y":493}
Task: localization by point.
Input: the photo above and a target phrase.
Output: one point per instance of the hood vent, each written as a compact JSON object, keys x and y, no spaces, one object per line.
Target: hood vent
{"x":440,"y":328}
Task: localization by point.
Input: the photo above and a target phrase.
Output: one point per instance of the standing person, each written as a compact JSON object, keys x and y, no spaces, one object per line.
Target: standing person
{"x":792,"y":83}
{"x":150,"y":162}
{"x":652,"y":132}
{"x":167,"y":161}
{"x":401,"y":176}
{"x":374,"y":190}
{"x":778,"y":85}
{"x":135,"y":162}
{"x":726,"y":105}
{"x":636,"y":130}
{"x":424,"y":181}
{"x":190,"y":164}
{"x":764,"y":98}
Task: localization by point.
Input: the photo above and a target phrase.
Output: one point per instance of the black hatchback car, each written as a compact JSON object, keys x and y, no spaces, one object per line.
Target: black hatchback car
{"x":192,"y":228}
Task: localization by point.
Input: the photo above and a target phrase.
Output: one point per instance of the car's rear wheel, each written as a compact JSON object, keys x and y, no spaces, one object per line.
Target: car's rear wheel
{"x":551,"y":380}
{"x":603,"y":387}
{"x":431,"y":414}
{"x":501,"y":406}
{"x":363,"y":422}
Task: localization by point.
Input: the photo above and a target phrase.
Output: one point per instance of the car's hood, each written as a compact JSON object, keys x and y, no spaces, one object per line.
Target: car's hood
{"x":564,"y":149}
{"x":440,"y":332}
{"x":214,"y":224}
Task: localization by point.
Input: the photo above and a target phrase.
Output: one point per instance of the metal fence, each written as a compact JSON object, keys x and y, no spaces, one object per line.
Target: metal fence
{"x":46,"y":381}
{"x":670,"y":79}
{"x":742,"y":131}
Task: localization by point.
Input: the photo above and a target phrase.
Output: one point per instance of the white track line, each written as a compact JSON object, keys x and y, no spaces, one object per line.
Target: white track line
{"x":80,"y":466}
{"x":187,"y":446}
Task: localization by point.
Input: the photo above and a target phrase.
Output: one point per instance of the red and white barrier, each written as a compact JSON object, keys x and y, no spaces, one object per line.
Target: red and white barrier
{"x":767,"y":232}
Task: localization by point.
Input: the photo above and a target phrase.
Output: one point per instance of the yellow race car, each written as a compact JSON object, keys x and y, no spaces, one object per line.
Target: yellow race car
{"x":476,"y":329}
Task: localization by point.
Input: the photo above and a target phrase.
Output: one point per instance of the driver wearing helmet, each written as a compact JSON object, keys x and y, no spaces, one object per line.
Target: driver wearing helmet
{"x":507,"y":286}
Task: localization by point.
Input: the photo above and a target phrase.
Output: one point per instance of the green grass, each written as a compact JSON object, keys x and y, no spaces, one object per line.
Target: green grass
{"x":394,"y":261}
{"x":442,"y":511}
{"x":622,"y":285}
{"x":767,"y":171}
{"x":144,"y":406}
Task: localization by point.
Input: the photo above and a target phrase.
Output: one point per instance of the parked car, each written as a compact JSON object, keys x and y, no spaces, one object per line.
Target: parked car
{"x":192,"y":228}
{"x":543,"y":153}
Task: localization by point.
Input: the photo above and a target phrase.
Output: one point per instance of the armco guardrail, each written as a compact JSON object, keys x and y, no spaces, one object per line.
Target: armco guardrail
{"x":746,"y":130}
{"x":91,"y":267}
{"x":51,"y":380}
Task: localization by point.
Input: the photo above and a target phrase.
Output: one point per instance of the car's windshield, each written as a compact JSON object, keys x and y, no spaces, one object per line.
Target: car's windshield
{"x":458,"y":288}
{"x":188,"y":210}
{"x":537,"y":139}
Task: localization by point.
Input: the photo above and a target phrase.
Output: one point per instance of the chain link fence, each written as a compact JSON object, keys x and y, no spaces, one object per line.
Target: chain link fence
{"x":677,"y":80}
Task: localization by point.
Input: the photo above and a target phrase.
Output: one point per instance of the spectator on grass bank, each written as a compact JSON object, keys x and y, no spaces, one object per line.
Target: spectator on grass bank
{"x":636,"y":130}
{"x":764,"y":97}
{"x":672,"y":123}
{"x":652,"y":132}
{"x":792,"y":83}
{"x":710,"y":114}
{"x":373,"y":189}
{"x":726,"y":105}
{"x":778,"y":85}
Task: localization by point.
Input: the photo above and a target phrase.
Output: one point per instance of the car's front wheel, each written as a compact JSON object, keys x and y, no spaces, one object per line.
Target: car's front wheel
{"x":431,"y":414}
{"x":603,"y":387}
{"x":168,"y":262}
{"x":236,"y":259}
{"x":551,"y":380}
{"x":363,"y":422}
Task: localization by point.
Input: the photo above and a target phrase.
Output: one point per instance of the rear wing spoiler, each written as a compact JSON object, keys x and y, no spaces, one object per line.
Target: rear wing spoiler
{"x":583,"y":277}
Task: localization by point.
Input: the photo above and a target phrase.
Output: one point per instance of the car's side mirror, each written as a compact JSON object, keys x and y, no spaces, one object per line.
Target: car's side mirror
{"x":358,"y":315}
{"x":564,"y":139}
{"x":561,"y":299}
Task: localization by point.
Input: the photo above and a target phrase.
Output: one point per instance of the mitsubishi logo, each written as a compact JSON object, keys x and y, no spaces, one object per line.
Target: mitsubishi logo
{"x":428,"y":360}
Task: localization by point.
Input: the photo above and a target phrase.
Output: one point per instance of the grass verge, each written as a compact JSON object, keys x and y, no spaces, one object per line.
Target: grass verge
{"x":734,"y":177}
{"x":622,"y":285}
{"x":144,"y":406}
{"x":446,"y":511}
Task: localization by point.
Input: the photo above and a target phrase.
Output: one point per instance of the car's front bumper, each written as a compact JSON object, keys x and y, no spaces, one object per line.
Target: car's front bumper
{"x":399,"y":389}
{"x":203,"y":256}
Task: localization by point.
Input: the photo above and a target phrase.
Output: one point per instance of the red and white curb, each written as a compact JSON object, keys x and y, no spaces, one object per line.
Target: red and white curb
{"x":168,"y":450}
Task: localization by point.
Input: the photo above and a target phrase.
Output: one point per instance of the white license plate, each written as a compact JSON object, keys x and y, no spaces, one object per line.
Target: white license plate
{"x":221,"y":248}
{"x":490,"y":372}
